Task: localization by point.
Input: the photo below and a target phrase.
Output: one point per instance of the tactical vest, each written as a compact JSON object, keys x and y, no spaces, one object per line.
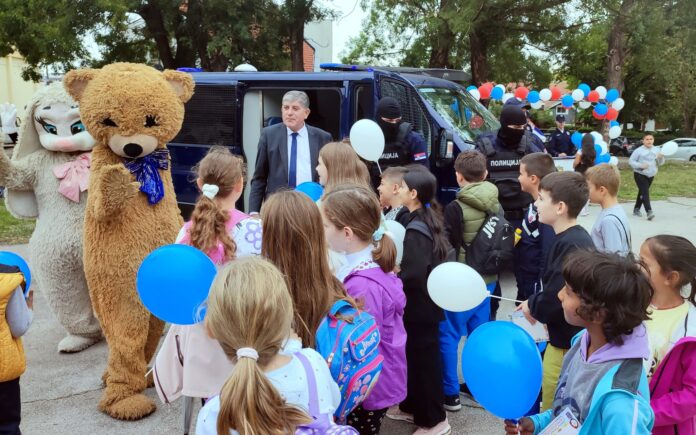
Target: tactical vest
{"x":503,"y":171}
{"x":396,"y":152}
{"x":12,"y":361}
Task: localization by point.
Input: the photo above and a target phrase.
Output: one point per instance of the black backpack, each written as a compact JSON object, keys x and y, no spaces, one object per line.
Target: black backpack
{"x":493,"y":245}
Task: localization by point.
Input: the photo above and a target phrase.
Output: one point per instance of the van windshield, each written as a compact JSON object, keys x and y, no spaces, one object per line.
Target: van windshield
{"x":466,"y":115}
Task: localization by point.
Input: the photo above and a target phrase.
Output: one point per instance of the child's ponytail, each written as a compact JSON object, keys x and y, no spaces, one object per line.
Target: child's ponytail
{"x":251,"y":405}
{"x":245,"y":294}
{"x":219,"y":173}
{"x":425,"y":184}
{"x":357,"y":207}
{"x":676,"y":254}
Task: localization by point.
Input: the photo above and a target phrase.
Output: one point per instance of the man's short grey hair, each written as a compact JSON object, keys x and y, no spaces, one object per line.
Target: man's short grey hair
{"x":299,"y":96}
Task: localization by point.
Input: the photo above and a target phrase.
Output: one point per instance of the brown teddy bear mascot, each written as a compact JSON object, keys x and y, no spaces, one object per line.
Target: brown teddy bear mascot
{"x":132,"y":111}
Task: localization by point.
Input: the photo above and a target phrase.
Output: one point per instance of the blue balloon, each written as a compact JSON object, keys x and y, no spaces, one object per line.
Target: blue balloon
{"x":311,"y":189}
{"x":533,"y":97}
{"x":173,"y":282}
{"x":612,"y":94}
{"x":471,"y":88}
{"x":585,"y":89}
{"x":614,"y":124}
{"x":601,"y":109}
{"x":567,"y":101}
{"x":576,"y":139}
{"x":509,"y":352}
{"x":11,"y":259}
{"x":497,"y":93}
{"x":598,"y":151}
{"x":604,"y":158}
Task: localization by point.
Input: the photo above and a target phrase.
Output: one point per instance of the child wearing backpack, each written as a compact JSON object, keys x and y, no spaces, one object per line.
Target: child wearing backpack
{"x":325,"y":317}
{"x":369,"y":279}
{"x":602,"y":388}
{"x":189,"y":363}
{"x":17,"y":316}
{"x":425,"y":247}
{"x":464,"y":218}
{"x":536,"y":237}
{"x":671,"y":263}
{"x":611,"y":231}
{"x":561,"y":197}
{"x":267,"y":392}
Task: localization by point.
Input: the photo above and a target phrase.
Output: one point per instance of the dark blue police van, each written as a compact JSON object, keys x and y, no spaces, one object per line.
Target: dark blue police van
{"x":230,"y":109}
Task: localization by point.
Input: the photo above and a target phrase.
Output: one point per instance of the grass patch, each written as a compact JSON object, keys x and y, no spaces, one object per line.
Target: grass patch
{"x":14,"y":231}
{"x":674,"y":178}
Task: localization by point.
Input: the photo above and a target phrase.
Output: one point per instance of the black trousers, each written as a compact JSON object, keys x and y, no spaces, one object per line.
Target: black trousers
{"x":10,"y":407}
{"x":367,"y":421}
{"x":643,"y":184}
{"x":425,"y":396}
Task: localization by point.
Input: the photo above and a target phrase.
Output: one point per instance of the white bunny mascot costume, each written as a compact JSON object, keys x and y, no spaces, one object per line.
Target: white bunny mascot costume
{"x":47,"y":179}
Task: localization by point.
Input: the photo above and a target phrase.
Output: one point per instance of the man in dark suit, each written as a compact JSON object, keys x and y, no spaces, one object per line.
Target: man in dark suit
{"x":288,"y":153}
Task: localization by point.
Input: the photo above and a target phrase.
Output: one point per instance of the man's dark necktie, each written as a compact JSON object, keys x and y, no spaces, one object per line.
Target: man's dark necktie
{"x":292,"y":173}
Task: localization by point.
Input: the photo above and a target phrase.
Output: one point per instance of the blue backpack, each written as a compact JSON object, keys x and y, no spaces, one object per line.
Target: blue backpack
{"x":351,"y":351}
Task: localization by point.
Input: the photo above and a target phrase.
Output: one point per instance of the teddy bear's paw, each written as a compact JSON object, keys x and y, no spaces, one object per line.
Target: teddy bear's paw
{"x":76,"y":343}
{"x":119,"y":181}
{"x":130,"y":408}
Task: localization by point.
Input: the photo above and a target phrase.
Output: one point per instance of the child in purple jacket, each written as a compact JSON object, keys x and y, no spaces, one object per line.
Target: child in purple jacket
{"x":671,"y":263}
{"x":368,"y":277}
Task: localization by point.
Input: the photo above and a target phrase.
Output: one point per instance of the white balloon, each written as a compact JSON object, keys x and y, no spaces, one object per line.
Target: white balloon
{"x":537,"y":105}
{"x":618,"y":104}
{"x":597,"y":137}
{"x":455,"y":286}
{"x":613,"y":160}
{"x":669,"y":148}
{"x":578,"y":94}
{"x":603,"y":145}
{"x":397,"y":232}
{"x":614,"y":132}
{"x":506,"y":97}
{"x":602,"y":91}
{"x":545,"y":94}
{"x":367,"y":139}
{"x":584,"y":104}
{"x":475,"y":93}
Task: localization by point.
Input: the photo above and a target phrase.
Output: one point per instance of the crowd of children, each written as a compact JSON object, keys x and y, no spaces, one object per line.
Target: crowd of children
{"x":621,"y":356}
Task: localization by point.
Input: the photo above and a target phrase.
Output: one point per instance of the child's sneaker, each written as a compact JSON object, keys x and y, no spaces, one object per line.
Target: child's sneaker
{"x":651,"y":215}
{"x":452,"y":403}
{"x":396,"y":414}
{"x":637,"y":213}
{"x":442,"y":428}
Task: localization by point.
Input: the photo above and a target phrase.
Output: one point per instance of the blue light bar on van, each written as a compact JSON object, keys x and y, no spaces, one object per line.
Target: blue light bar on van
{"x":189,"y":69}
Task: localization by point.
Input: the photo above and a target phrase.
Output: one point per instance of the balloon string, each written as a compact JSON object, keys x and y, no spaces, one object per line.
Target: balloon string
{"x":504,"y":299}
{"x":378,"y":167}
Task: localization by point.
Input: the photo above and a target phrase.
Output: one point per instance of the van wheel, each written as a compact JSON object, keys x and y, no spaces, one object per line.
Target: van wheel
{"x":693,"y":158}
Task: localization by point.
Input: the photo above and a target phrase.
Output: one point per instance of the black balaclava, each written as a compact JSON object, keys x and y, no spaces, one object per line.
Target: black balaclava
{"x":388,"y":108}
{"x":511,"y":115}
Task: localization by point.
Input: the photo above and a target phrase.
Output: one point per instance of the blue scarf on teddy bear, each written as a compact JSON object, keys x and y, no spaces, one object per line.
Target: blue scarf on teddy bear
{"x":146,"y":172}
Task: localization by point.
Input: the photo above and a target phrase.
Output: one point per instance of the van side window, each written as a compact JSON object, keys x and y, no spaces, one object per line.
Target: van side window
{"x":210,"y":117}
{"x":411,"y":109}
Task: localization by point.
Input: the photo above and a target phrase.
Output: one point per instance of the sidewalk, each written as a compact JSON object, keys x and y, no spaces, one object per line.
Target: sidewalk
{"x":60,"y":392}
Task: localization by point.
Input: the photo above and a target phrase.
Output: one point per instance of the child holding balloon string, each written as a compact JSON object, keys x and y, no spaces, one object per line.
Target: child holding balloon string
{"x":369,"y":279}
{"x":602,"y":385}
{"x":671,"y":263}
{"x":190,"y":363}
{"x":425,"y":247}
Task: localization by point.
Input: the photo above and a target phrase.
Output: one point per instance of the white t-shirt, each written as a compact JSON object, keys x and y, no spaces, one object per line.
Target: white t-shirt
{"x":611,"y":231}
{"x":291,"y":383}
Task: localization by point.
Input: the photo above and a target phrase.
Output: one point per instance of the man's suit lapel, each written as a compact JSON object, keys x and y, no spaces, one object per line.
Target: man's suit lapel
{"x":313,"y":151}
{"x":282,"y":138}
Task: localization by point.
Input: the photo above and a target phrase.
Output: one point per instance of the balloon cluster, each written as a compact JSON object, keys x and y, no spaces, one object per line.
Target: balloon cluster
{"x":600,"y":146}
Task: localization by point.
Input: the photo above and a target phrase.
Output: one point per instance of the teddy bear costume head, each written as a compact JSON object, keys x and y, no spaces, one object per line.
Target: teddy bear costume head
{"x":52,"y":122}
{"x":132,"y":111}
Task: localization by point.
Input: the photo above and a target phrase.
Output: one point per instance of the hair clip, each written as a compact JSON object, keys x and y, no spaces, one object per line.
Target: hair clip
{"x":210,"y":190}
{"x":378,"y":234}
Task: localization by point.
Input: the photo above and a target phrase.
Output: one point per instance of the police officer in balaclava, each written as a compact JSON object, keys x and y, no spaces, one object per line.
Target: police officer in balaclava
{"x":402,"y":145}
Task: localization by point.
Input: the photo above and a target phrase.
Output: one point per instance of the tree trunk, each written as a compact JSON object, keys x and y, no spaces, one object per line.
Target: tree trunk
{"x":154,"y":23}
{"x":478,"y":46}
{"x":297,"y":45}
{"x":442,"y":47}
{"x":618,"y":51}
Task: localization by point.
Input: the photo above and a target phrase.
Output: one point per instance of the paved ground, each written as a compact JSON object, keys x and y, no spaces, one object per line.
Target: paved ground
{"x":60,"y":392}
